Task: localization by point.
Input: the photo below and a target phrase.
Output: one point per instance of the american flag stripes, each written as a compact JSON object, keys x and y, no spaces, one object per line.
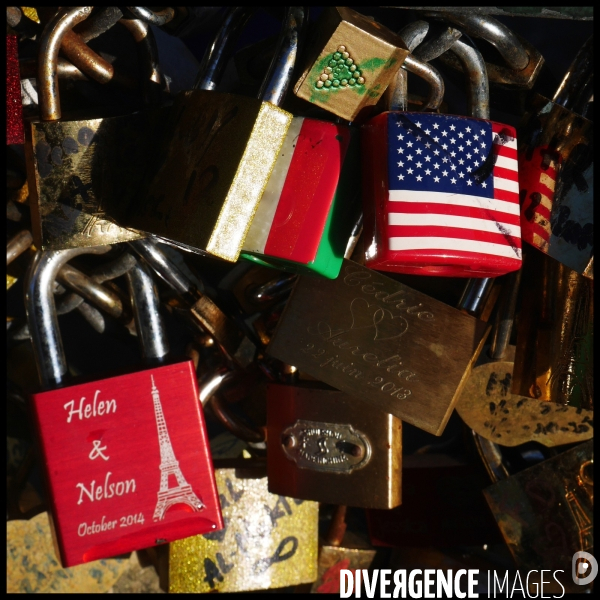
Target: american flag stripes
{"x":453,"y":196}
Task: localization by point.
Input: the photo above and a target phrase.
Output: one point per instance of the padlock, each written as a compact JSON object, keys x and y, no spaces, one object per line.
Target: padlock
{"x":488,"y":407}
{"x":556,"y":167}
{"x":440,"y":192}
{"x":341,"y":549}
{"x":351,"y":62}
{"x":107,"y":495}
{"x":223,"y":149}
{"x":196,"y":308}
{"x":302,"y":223}
{"x":268,"y":540}
{"x":523,"y":62}
{"x":554,"y":354}
{"x":380,"y":341}
{"x":323,"y":446}
{"x":73,"y":167}
{"x":251,"y":193}
{"x":545,"y":514}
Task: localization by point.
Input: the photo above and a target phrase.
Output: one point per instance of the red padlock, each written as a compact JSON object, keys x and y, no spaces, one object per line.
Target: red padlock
{"x":15,"y":132}
{"x":126,"y":458}
{"x":440,"y":192}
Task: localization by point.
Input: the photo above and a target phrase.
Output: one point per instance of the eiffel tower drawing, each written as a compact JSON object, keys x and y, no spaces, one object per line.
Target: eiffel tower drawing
{"x":182,"y":492}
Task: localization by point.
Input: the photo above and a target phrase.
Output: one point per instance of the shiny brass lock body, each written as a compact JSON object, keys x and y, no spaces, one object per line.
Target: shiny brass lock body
{"x":352,"y":61}
{"x":268,"y":540}
{"x":324,"y":446}
{"x":381,"y":342}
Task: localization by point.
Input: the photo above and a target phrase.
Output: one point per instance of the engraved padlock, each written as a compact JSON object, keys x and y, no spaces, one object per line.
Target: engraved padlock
{"x":109,"y":496}
{"x":381,"y":342}
{"x":75,"y":166}
{"x":440,"y":192}
{"x":488,"y":406}
{"x":556,"y":165}
{"x":351,"y":62}
{"x":321,"y":445}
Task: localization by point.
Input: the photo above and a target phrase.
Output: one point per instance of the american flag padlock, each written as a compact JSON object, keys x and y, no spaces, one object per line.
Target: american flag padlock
{"x":441,"y":192}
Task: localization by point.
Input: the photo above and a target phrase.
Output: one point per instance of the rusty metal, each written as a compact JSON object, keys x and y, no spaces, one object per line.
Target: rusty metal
{"x":85,"y":59}
{"x":50,"y":43}
{"x":64,"y":68}
{"x":437,"y":46}
{"x":99,"y":23}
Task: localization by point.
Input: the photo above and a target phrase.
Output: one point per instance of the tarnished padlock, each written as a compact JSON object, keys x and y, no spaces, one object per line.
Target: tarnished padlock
{"x":322,"y":445}
{"x":74,"y":166}
{"x":545,"y":514}
{"x":488,"y":406}
{"x":196,"y":308}
{"x":554,"y":356}
{"x":351,"y":62}
{"x":523,"y":62}
{"x":380,"y":341}
{"x":556,"y":166}
{"x":440,"y":192}
{"x":109,"y":496}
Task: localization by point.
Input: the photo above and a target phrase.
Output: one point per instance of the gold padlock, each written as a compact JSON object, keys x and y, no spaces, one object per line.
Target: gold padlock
{"x":352,"y":61}
{"x":269,"y":541}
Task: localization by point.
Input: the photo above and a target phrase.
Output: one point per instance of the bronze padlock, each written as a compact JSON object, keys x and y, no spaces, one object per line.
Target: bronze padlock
{"x":380,"y":341}
{"x":322,"y":445}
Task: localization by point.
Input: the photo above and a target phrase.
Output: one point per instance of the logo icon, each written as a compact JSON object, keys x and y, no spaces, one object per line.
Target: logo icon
{"x":584,"y":568}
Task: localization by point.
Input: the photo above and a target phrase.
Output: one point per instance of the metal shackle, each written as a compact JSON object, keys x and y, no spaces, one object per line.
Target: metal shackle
{"x":221,"y":48}
{"x":145,"y":301}
{"x":50,"y":42}
{"x":489,"y":29}
{"x":152,"y":17}
{"x":279,"y":74}
{"x":41,"y":311}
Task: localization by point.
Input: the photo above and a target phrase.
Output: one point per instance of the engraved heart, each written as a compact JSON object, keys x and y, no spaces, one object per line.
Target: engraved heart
{"x":390,"y":327}
{"x":364,"y":314}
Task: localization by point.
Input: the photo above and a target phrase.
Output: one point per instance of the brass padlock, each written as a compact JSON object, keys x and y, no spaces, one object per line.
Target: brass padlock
{"x":380,"y":341}
{"x":268,"y":540}
{"x":352,"y":61}
{"x":488,"y":407}
{"x":322,"y":445}
{"x":555,"y":331}
{"x":556,"y":169}
{"x":545,"y":514}
{"x":74,"y":166}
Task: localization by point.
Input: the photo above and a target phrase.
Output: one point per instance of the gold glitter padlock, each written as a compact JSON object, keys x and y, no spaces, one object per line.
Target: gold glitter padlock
{"x":269,"y":541}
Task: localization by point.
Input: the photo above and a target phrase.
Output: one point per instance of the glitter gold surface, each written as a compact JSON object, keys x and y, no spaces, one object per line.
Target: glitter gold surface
{"x":29,"y":11}
{"x":269,"y":542}
{"x":250,"y":181}
{"x":33,"y":567}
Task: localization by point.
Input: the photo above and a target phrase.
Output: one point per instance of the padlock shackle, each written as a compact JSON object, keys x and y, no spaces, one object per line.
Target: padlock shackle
{"x":478,"y":99}
{"x":414,"y":33}
{"x":576,"y":88}
{"x":148,"y":62}
{"x":218,"y":53}
{"x":280,"y":71}
{"x":151,"y":17}
{"x":18,"y":244}
{"x":491,"y":30}
{"x":398,"y":98}
{"x":475,"y":295}
{"x":431,"y":49}
{"x":505,"y":315}
{"x":492,"y":458}
{"x":40,"y":307}
{"x":151,"y":332}
{"x":49,"y":45}
{"x":158,"y":260}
